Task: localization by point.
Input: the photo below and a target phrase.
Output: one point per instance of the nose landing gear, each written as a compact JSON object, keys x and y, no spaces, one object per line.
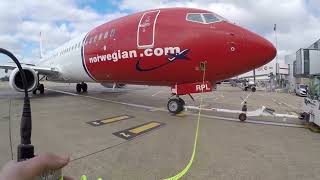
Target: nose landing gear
{"x":175,"y":105}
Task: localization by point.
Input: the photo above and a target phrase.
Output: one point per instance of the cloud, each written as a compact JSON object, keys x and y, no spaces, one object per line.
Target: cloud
{"x":58,"y":20}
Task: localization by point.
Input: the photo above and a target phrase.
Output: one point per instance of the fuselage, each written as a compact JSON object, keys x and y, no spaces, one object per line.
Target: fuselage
{"x":160,"y":47}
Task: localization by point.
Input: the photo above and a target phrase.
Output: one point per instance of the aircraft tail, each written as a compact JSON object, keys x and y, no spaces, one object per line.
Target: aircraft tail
{"x":40,"y":46}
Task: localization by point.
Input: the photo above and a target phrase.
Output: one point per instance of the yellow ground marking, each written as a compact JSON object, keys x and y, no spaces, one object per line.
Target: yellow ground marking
{"x":181,"y":114}
{"x":114,"y":119}
{"x":144,"y":127}
{"x":157,"y":109}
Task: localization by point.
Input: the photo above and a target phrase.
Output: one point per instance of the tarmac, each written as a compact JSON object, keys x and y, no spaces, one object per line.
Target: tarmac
{"x":128,"y":134}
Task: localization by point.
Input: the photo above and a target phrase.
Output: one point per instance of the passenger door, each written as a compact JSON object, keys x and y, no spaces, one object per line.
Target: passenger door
{"x":146,"y":29}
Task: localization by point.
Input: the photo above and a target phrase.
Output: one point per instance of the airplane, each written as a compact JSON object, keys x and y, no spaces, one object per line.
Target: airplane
{"x":172,"y":47}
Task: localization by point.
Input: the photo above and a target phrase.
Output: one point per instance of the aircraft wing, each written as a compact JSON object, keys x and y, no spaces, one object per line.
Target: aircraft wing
{"x":40,"y":70}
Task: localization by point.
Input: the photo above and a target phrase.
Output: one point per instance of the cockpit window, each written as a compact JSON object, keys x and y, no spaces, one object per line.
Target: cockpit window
{"x":204,"y":18}
{"x":195,"y":18}
{"x":210,"y":18}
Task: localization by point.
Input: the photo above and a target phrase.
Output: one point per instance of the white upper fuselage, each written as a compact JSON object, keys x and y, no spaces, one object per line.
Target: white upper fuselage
{"x":67,"y":60}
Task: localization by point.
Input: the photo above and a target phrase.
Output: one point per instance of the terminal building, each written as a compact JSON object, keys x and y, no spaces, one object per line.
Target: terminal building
{"x":298,"y":68}
{"x":263,"y":75}
{"x":303,"y":65}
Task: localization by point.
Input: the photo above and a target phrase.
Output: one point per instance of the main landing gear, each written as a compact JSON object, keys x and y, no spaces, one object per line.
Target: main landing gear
{"x":40,"y":88}
{"x":82,"y":87}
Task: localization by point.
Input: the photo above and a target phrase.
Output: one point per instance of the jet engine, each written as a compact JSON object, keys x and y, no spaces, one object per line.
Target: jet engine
{"x":113,"y":85}
{"x":16,"y":83}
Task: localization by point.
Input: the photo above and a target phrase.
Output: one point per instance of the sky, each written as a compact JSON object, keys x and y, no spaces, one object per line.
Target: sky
{"x":298,"y":21}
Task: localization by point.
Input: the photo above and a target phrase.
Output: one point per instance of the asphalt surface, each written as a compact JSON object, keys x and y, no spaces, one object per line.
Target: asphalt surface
{"x":226,"y":148}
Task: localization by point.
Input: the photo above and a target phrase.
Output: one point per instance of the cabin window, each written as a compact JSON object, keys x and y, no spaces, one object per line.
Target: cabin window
{"x":100,"y":36}
{"x":95,"y":38}
{"x":106,"y":35}
{"x":113,"y":32}
{"x":90,"y":40}
{"x":79,"y":44}
{"x":210,"y":18}
{"x":195,"y":18}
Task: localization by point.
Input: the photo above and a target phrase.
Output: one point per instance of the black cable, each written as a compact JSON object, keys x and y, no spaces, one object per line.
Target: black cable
{"x":10,"y":133}
{"x":25,"y":149}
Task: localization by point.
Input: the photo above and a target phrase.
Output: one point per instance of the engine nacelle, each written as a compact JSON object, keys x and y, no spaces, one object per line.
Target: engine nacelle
{"x":16,"y":83}
{"x":110,"y":85}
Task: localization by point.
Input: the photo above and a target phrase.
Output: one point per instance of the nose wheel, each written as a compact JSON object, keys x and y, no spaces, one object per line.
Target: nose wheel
{"x":175,"y":105}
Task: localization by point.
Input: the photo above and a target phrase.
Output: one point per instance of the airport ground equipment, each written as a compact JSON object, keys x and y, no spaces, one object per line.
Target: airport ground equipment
{"x":263,"y":111}
{"x":243,"y":115}
{"x":249,"y":86}
{"x":311,"y":103}
{"x":311,"y":110}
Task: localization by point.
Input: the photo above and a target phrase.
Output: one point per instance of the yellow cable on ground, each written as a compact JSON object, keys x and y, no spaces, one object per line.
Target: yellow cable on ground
{"x":185,"y":170}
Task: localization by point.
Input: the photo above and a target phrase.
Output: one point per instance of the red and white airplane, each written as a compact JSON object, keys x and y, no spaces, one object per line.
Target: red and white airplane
{"x":162,"y":47}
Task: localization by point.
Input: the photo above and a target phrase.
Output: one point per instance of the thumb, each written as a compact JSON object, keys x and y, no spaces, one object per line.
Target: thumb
{"x":42,"y":163}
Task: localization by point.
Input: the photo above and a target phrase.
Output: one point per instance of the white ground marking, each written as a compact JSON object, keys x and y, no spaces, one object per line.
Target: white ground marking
{"x":245,"y":99}
{"x":289,"y":105}
{"x":156,"y":93}
{"x":259,"y":112}
{"x":253,"y":121}
{"x":294,"y":113}
{"x":106,"y":100}
{"x":151,"y":108}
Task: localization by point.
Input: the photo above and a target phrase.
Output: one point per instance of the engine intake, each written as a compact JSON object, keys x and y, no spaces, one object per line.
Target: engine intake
{"x":15,"y":79}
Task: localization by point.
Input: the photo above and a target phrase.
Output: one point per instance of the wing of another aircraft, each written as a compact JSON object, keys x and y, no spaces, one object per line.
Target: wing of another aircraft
{"x":40,"y":70}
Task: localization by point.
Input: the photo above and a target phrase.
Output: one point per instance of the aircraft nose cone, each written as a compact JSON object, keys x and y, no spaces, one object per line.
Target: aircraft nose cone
{"x":262,"y":50}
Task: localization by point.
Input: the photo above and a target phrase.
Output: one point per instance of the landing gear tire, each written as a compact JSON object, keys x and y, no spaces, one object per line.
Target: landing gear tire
{"x":242,"y":117}
{"x":182,"y":101}
{"x":78,"y":88}
{"x":41,"y":88}
{"x":175,"y":106}
{"x":246,"y":89}
{"x":253,"y":89}
{"x":84,"y":87}
{"x":304,"y":116}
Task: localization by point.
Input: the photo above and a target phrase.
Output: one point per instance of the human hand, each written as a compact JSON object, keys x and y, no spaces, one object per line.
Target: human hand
{"x":31,"y":168}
